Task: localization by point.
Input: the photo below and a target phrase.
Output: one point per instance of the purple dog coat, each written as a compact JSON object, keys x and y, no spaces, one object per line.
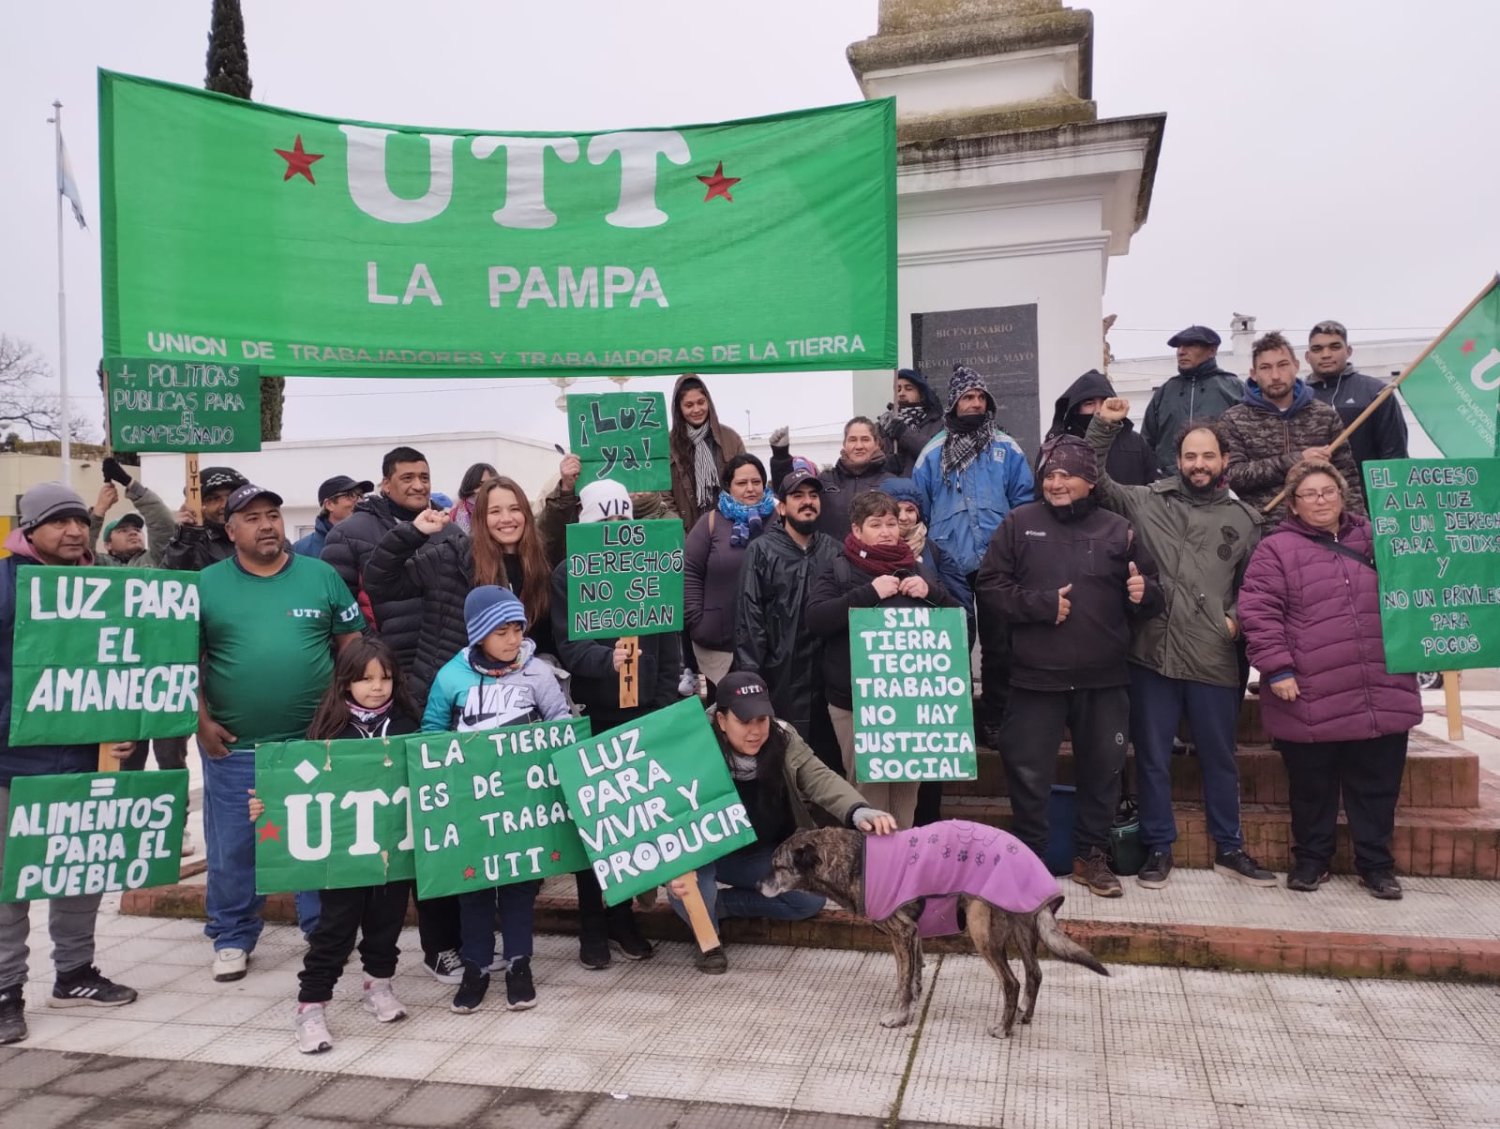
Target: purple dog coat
{"x":942,"y":860}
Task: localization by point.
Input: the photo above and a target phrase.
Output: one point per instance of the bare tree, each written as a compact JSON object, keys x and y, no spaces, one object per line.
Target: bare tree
{"x":24,"y":404}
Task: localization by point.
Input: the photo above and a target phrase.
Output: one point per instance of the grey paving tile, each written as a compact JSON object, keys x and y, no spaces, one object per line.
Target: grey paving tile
{"x":31,"y":1069}
{"x":209,"y":1119}
{"x":48,"y":1111}
{"x":108,"y":1077}
{"x":354,"y":1097}
{"x":1249,"y":1116}
{"x":267,"y":1091}
{"x":530,"y":1109}
{"x":115,"y":1112}
{"x":438,"y":1104}
{"x":1143,"y":1111}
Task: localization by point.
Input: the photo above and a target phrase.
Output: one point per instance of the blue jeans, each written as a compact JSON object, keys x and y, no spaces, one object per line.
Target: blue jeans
{"x":742,"y":872}
{"x":1157,"y":704}
{"x":309,"y":907}
{"x":476,"y":922}
{"x":231,"y":902}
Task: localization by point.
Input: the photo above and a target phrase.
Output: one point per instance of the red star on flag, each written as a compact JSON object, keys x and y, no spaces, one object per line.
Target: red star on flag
{"x":1467,"y":346}
{"x":468,"y":872}
{"x":556,"y":856}
{"x":270,"y":831}
{"x":719,"y":184}
{"x":299,"y":161}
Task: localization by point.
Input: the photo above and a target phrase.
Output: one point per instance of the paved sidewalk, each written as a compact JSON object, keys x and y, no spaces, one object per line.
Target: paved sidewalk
{"x":791,"y":1032}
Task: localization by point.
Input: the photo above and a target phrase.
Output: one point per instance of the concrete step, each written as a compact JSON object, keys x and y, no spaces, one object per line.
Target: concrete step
{"x":1443,"y":929}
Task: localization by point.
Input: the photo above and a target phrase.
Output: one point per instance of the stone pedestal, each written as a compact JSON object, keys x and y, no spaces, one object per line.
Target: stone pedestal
{"x":1011,"y":192}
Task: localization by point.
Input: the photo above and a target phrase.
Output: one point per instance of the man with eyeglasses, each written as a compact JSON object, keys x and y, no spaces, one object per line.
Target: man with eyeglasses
{"x":1336,"y":382}
{"x":337,"y":497}
{"x":1277,"y":425}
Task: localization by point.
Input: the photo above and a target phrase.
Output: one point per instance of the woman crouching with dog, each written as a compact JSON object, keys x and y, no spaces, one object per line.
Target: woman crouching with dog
{"x":778,"y":779}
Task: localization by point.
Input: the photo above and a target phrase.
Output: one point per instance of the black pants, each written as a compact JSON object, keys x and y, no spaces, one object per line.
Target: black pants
{"x":595,"y":919}
{"x":438,"y":925}
{"x":372,"y":913}
{"x":1098,"y":721}
{"x":1368,"y":773}
{"x":994,"y":664}
{"x":171,"y":752}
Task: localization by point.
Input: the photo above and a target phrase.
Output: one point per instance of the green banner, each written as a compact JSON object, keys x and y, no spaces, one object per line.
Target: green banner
{"x":103,"y":654}
{"x":913,"y":703}
{"x":156,"y":405}
{"x":624,"y":578}
{"x":1437,"y":541}
{"x":652,"y":800}
{"x":489,"y":809}
{"x":1455,"y":391}
{"x":337,"y":815}
{"x":241,"y":232}
{"x":621,"y":436}
{"x":93,"y":833}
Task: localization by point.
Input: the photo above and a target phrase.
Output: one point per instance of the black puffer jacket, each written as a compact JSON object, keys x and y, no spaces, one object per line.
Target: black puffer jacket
{"x":1131,"y":461}
{"x":771,"y":636}
{"x":348,"y":548}
{"x":195,"y":547}
{"x":435,"y":571}
{"x":841,"y":486}
{"x":837,"y":589}
{"x":1383,"y":435}
{"x":1037,"y":551}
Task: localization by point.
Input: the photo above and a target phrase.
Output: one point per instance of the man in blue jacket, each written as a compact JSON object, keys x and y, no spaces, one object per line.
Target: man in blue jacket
{"x":53,"y":532}
{"x":971,"y":474}
{"x":337,"y":497}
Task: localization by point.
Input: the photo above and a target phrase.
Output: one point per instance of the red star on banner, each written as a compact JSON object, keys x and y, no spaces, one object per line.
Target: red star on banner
{"x":1467,"y":346}
{"x":556,"y":856}
{"x":468,"y":872}
{"x":270,"y":831}
{"x":299,"y":161}
{"x":719,"y":184}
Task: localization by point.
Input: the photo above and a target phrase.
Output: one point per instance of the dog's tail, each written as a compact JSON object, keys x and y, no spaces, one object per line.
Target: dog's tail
{"x":1060,"y":945}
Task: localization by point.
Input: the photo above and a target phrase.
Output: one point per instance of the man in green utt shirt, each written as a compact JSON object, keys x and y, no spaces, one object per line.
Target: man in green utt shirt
{"x":268,"y":619}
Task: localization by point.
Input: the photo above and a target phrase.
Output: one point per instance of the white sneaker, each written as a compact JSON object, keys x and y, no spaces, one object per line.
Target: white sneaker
{"x":687,"y":683}
{"x":312,"y":1028}
{"x":230,"y":964}
{"x":188,"y":846}
{"x":381,"y":1002}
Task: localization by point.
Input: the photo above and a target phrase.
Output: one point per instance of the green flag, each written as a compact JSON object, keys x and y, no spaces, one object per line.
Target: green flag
{"x":1455,"y":390}
{"x":303,"y":244}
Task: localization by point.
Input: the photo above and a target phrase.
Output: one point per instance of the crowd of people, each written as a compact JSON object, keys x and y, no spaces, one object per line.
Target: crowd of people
{"x":1119,"y":585}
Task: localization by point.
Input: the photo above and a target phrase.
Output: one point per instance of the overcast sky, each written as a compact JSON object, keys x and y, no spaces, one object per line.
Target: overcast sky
{"x":1329,"y":159}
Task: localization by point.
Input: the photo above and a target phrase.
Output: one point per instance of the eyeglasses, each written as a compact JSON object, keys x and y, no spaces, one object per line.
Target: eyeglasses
{"x":1327,"y":494}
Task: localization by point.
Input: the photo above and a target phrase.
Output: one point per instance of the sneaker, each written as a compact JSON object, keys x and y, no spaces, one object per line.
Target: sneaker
{"x":1307,"y":877}
{"x":687,"y":683}
{"x":625,"y":937}
{"x":520,"y":993}
{"x":445,"y":966}
{"x":713,"y":962}
{"x":381,"y":1002}
{"x":1155,"y":870}
{"x":1237,"y":864}
{"x":593,"y":953}
{"x":12,"y":1015}
{"x":86,"y":987}
{"x":471,"y":991}
{"x":1382,"y":884}
{"x":989,"y":736}
{"x":230,"y":964}
{"x":188,"y":846}
{"x":312,"y":1030}
{"x":1093,"y":871}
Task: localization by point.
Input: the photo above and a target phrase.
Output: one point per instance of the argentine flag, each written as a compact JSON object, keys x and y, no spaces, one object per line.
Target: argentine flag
{"x":65,"y":183}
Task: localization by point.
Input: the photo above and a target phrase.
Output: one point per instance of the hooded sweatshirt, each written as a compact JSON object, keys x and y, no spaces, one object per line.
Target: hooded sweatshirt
{"x":727,"y":444}
{"x":902,"y":442}
{"x":1132,"y":462}
{"x":1202,"y":392}
{"x":473,"y":692}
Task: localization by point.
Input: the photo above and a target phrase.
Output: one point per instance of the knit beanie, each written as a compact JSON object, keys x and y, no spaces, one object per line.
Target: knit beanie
{"x":1072,"y":454}
{"x":965,"y":379}
{"x":488,"y":607}
{"x":904,"y":490}
{"x":602,"y":500}
{"x":47,"y":501}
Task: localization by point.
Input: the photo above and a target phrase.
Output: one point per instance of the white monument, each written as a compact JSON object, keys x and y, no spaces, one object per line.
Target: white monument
{"x":1012,"y":195}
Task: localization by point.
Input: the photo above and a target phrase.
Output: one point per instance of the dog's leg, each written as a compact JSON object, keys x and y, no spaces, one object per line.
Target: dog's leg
{"x":1026,"y":941}
{"x":906,"y":942}
{"x":987,"y":931}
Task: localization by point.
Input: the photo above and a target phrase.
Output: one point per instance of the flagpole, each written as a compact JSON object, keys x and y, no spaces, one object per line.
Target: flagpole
{"x":62,"y":311}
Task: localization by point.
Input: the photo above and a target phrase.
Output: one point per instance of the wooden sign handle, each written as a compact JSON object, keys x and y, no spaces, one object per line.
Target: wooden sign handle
{"x":630,"y":676}
{"x":1452,"y":707}
{"x":191,"y":491}
{"x":107,"y":762}
{"x":697,"y":911}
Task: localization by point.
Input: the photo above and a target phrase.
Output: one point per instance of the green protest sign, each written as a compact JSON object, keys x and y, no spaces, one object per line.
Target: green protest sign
{"x":489,"y":808}
{"x":103,"y":654}
{"x":1437,"y":541}
{"x":621,"y":436}
{"x":1454,"y":391}
{"x":93,"y":833}
{"x":316,"y":246}
{"x":652,"y":800}
{"x":624,"y":578}
{"x":157,"y":405}
{"x":913,"y":704}
{"x":337,"y":815}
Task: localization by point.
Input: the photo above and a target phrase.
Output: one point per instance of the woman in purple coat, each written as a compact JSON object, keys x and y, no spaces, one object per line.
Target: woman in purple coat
{"x":1310,"y":609}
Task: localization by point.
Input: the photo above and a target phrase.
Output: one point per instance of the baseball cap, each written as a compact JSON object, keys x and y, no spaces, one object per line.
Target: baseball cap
{"x":1194,"y":335}
{"x":133,"y":521}
{"x":217,"y":477}
{"x":342,"y":484}
{"x":745,"y":695}
{"x":48,"y":501}
{"x":799,"y":477}
{"x":247,"y":494}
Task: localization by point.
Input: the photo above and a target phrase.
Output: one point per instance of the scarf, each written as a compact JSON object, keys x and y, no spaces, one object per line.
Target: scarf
{"x":967,"y":436}
{"x":879,"y":560}
{"x":705,"y":463}
{"x":372,"y":723}
{"x":913,"y":415}
{"x":918,"y":539}
{"x":463,"y":515}
{"x":748,"y":520}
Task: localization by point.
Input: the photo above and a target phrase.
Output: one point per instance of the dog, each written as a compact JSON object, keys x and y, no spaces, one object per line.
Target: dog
{"x":952,"y":865}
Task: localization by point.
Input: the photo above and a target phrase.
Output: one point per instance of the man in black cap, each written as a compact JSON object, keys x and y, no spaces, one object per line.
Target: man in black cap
{"x":1201,"y":390}
{"x":337,"y":497}
{"x":200,"y":544}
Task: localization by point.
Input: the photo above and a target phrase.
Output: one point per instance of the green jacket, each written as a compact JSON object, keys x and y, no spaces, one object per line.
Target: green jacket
{"x":1201,"y":546}
{"x":809,"y":783}
{"x":161,"y":526}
